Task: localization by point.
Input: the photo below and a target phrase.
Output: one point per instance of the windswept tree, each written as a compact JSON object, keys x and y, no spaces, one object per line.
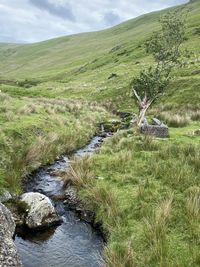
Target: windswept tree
{"x":164,"y":46}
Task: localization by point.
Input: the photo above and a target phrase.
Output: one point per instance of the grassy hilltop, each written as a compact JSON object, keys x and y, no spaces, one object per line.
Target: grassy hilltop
{"x":147,"y":190}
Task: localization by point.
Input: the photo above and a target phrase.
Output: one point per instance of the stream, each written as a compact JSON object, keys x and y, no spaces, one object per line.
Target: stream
{"x":72,"y":244}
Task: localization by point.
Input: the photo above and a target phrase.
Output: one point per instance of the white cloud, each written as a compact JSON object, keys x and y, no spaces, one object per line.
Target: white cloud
{"x":37,"y":20}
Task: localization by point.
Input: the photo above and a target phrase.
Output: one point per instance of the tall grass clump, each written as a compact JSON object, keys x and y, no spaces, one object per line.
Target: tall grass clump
{"x":102,"y":199}
{"x":156,"y":227}
{"x":174,"y":120}
{"x":80,"y":173}
{"x":193,"y":209}
{"x":120,"y":255}
{"x":193,"y":220}
{"x":195,"y":115}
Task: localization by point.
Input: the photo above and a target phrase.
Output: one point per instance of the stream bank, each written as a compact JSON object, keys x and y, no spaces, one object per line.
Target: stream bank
{"x":75,"y":242}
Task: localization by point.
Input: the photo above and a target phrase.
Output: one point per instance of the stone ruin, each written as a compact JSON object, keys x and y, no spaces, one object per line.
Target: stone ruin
{"x":157,"y":128}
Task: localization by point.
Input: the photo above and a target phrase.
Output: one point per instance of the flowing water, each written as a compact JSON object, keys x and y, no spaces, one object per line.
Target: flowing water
{"x":72,"y":244}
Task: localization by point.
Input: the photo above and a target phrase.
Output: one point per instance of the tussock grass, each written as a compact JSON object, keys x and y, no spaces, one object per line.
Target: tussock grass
{"x":9,"y":115}
{"x":4,"y":97}
{"x":156,"y":228}
{"x":80,"y":172}
{"x":177,"y":117}
{"x":120,"y":255}
{"x":193,"y":204}
{"x":174,"y":120}
{"x":195,"y":115}
{"x":193,"y":218}
{"x":103,"y":193}
{"x":29,"y":109}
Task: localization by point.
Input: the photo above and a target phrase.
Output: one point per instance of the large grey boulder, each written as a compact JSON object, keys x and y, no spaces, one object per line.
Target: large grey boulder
{"x":40,"y":211}
{"x":8,"y":252}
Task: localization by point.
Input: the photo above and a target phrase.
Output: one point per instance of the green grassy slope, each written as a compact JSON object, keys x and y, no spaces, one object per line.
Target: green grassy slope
{"x":79,"y":65}
{"x":64,"y":54}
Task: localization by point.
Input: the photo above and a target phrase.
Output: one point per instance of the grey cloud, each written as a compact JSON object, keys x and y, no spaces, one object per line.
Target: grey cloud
{"x":61,"y":10}
{"x":111,"y":18}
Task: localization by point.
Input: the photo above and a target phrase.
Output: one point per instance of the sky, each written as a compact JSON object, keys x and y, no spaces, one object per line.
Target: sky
{"x":28,"y":21}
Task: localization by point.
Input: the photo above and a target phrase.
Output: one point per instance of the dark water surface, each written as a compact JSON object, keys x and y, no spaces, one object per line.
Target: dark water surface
{"x":72,"y":244}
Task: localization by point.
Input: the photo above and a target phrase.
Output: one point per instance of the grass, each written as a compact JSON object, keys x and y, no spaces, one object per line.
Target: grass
{"x":79,"y":171}
{"x":174,"y":120}
{"x":146,"y":193}
{"x":35,"y":131}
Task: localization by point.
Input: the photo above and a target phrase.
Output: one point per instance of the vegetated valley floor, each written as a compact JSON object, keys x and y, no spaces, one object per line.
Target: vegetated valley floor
{"x":146,"y":190}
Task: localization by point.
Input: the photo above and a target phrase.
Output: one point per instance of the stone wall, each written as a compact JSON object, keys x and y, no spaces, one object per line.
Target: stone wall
{"x":157,"y":128}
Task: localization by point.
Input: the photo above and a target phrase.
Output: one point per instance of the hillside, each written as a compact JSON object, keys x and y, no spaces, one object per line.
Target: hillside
{"x":79,"y":65}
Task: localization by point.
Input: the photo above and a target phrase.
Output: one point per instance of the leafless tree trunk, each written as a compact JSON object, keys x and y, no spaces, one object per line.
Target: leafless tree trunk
{"x":143,"y":104}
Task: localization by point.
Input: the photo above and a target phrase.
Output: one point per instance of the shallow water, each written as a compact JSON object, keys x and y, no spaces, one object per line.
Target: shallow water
{"x":72,"y":244}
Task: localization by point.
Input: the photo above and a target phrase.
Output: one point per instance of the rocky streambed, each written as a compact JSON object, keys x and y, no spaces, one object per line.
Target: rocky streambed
{"x":73,"y":242}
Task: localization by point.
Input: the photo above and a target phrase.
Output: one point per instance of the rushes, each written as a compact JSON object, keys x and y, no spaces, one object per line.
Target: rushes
{"x":181,"y":118}
{"x":34,"y":151}
{"x":193,"y":204}
{"x":174,"y":120}
{"x":29,"y":109}
{"x":4,"y":97}
{"x":120,"y":255}
{"x":104,"y":201}
{"x":80,"y":172}
{"x":195,"y":115}
{"x":156,"y":228}
{"x":193,"y":220}
{"x":121,"y":160}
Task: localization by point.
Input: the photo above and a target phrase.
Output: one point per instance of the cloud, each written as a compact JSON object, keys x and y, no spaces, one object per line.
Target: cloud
{"x":62,"y":10}
{"x":111,"y":18}
{"x":38,"y":20}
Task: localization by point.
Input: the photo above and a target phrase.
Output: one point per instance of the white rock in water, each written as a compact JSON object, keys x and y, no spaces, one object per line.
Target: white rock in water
{"x":8,"y":253}
{"x":41,"y":212}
